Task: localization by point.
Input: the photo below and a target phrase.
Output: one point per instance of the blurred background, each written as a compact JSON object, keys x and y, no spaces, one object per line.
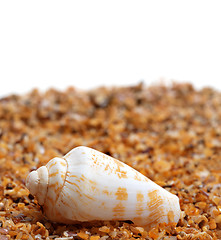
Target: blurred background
{"x":92,"y":43}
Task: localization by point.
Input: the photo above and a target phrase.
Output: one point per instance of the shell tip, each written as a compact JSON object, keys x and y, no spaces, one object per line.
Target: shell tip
{"x":32,"y":182}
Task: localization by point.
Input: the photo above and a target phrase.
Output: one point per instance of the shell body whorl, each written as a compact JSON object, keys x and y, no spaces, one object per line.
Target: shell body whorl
{"x":87,"y":185}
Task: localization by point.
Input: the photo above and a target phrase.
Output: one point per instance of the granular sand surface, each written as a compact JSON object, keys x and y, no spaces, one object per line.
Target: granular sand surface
{"x":172,"y":135}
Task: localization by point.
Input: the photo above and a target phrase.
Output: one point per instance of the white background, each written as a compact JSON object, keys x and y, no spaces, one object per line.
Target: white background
{"x":91,"y":43}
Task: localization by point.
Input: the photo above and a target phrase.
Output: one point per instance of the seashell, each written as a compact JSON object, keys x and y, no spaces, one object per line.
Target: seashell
{"x":87,"y":185}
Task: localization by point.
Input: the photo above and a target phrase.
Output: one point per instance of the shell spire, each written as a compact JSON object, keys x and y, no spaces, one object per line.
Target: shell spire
{"x":87,"y":185}
{"x":37,"y":183}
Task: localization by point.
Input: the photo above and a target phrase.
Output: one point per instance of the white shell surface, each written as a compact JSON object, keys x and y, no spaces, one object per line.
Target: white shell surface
{"x":87,"y":185}
{"x":99,"y":187}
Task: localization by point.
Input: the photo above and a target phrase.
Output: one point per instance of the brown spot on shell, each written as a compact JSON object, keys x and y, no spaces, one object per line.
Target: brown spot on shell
{"x":63,"y":176}
{"x":53,"y":185}
{"x":155,"y":200}
{"x":89,"y":197}
{"x":53,"y":174}
{"x":139,"y":205}
{"x":121,"y":194}
{"x":107,"y":167}
{"x":155,"y":206}
{"x":63,"y":164}
{"x":121,"y":173}
{"x":118,"y":163}
{"x":119,"y":210}
{"x":137,"y":177}
{"x":92,"y":182}
{"x":140,"y":177}
{"x":105,"y":191}
{"x":72,"y":183}
{"x":73,"y":176}
{"x":139,"y":208}
{"x":140,"y":197}
{"x":50,"y":165}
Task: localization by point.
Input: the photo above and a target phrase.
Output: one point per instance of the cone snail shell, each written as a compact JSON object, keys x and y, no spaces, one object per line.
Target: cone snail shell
{"x":87,"y":185}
